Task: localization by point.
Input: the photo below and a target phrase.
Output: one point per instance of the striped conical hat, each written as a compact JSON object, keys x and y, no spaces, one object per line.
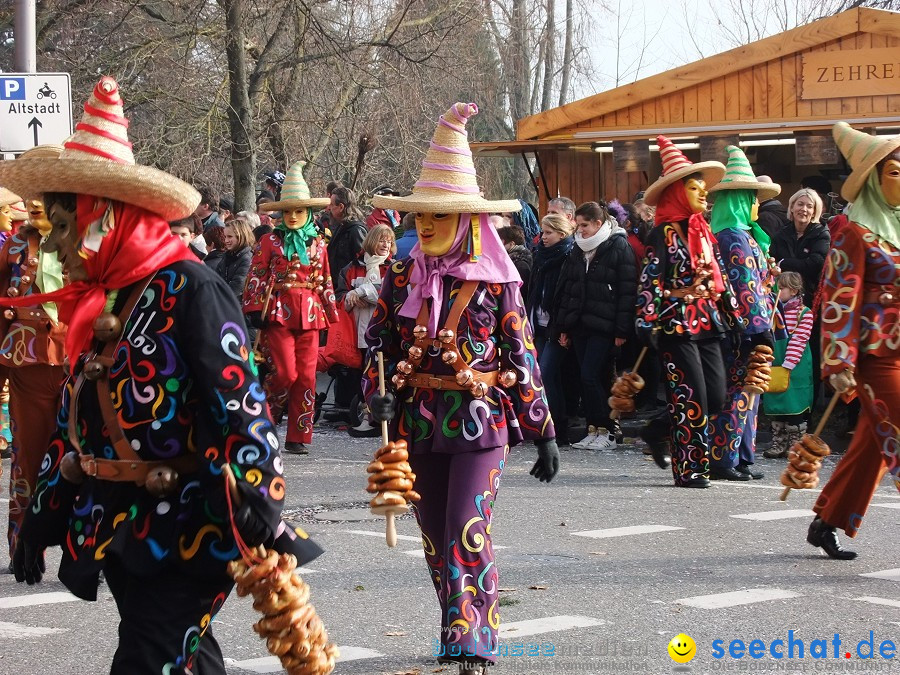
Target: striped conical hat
{"x":448,"y":183}
{"x":676,"y":166}
{"x":739,"y":176}
{"x":97,"y":160}
{"x":295,"y":192}
{"x":862,"y":152}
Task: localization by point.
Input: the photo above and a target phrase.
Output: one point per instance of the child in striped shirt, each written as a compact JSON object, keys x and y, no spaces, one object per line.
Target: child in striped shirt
{"x":789,"y":407}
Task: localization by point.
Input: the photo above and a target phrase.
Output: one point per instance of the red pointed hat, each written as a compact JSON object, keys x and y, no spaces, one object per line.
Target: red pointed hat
{"x":676,"y":166}
{"x":98,"y":160}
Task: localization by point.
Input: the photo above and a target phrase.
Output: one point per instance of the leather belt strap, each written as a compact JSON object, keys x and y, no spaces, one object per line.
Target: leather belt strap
{"x":682,"y":293}
{"x":126,"y":471}
{"x":287,"y":285}
{"x":445,"y":382}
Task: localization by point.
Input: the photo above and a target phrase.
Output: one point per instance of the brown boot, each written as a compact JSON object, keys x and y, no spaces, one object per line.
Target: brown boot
{"x":779,"y":442}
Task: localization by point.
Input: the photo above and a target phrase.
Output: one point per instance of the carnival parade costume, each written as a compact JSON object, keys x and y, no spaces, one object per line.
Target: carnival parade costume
{"x":290,"y":296}
{"x":451,"y":325}
{"x":685,"y":303}
{"x":162,"y":396}
{"x":860,"y":328}
{"x":744,"y":247}
{"x":31,"y":348}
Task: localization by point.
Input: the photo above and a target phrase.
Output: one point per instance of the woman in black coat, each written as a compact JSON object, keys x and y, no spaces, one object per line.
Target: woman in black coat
{"x":556,"y":243}
{"x":803,"y":244}
{"x":594,"y":310}
{"x":235,"y":262}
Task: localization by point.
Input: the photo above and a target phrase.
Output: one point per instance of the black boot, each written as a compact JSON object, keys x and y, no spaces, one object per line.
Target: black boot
{"x":728,"y":474}
{"x":824,"y":536}
{"x":655,"y":433}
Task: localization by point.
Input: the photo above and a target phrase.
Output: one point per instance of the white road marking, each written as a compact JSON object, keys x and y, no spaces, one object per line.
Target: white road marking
{"x":272,"y":664}
{"x":342,"y":461}
{"x":32,"y":599}
{"x":880,"y":601}
{"x":369,"y":533}
{"x":306,"y":570}
{"x":625,"y":531}
{"x":734,"y":598}
{"x":775,"y":515}
{"x":888,"y":506}
{"x":890,"y":575}
{"x":548,"y":624}
{"x":15,"y":631}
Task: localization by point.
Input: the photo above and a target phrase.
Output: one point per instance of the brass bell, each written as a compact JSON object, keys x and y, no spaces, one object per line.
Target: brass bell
{"x":162,"y":481}
{"x":420,"y":332}
{"x":464,"y":378}
{"x":399,"y":381}
{"x":449,"y":358}
{"x":508,"y":378}
{"x":287,"y":285}
{"x":12,"y":291}
{"x":320,"y":289}
{"x":701,"y":288}
{"x":416,"y":353}
{"x":320,"y":278}
{"x":405,"y":367}
{"x":107,"y":327}
{"x":10,"y":314}
{"x":291,"y":276}
{"x":446,"y":335}
{"x":479,"y":389}
{"x":667,"y":293}
{"x":94,"y":370}
{"x":886,"y":298}
{"x":689,"y":298}
{"x":26,"y":279}
{"x":33,"y":261}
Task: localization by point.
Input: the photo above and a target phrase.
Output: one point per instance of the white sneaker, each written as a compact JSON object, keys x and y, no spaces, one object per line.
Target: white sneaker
{"x":603,"y":441}
{"x":585,"y":442}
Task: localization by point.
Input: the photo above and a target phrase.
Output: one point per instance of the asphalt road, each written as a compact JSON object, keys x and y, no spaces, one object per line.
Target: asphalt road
{"x":577,"y":603}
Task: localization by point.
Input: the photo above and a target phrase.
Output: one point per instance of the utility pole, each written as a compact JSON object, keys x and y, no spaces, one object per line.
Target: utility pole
{"x":25,"y":37}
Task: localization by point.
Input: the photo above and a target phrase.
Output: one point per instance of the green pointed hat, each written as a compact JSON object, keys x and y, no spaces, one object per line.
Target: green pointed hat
{"x":739,"y":176}
{"x":295,"y":192}
{"x":862,"y":151}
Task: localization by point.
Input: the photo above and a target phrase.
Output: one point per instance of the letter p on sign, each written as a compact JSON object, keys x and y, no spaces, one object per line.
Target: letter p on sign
{"x":12,"y":88}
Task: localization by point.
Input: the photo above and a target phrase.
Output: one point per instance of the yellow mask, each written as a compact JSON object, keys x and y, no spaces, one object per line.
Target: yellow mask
{"x":890,"y":182}
{"x":5,"y":218}
{"x":754,"y":210}
{"x":294,"y":219}
{"x":695,"y":189}
{"x":38,"y":216}
{"x":437,"y":232}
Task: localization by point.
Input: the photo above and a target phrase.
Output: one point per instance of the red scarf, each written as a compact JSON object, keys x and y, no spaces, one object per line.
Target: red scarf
{"x":673,"y":207}
{"x":139,"y":244}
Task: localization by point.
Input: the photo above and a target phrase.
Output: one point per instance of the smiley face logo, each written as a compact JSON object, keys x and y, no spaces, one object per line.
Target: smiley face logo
{"x":682,"y":648}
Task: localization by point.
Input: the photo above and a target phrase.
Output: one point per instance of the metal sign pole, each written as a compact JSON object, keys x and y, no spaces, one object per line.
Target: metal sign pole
{"x":25,"y":57}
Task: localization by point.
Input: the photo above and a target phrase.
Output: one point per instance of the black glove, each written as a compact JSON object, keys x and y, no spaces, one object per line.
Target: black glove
{"x":648,"y":336}
{"x":765,"y":338}
{"x":253,"y":530}
{"x":547,"y":465}
{"x":382,"y":407}
{"x":28,"y":563}
{"x":255,"y":319}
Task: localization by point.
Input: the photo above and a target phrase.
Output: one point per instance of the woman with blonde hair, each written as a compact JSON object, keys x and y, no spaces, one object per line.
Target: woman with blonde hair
{"x":235,"y":264}
{"x":803,"y":245}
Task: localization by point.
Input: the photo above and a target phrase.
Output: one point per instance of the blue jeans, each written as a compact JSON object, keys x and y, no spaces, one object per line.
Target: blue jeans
{"x":594,"y":352}
{"x":551,"y":361}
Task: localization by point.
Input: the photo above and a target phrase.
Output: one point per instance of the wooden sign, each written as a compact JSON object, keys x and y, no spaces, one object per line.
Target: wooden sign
{"x":857,"y":72}
{"x":712,"y":148}
{"x":815,"y":149}
{"x":631,"y":155}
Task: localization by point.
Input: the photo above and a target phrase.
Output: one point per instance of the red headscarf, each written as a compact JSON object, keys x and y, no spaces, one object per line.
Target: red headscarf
{"x":673,"y":207}
{"x":138,"y":244}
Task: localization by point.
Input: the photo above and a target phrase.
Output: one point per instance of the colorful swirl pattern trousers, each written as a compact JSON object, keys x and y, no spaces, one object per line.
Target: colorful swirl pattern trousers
{"x":873,"y":450}
{"x":458,"y":492}
{"x":734,"y":428}
{"x":293,"y":380}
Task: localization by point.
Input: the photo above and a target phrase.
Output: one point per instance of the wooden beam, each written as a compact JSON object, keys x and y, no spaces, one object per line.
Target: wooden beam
{"x":776,"y":46}
{"x":879,"y":21}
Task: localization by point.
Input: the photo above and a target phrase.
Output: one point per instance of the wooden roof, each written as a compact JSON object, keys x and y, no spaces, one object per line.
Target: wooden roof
{"x":675,"y":97}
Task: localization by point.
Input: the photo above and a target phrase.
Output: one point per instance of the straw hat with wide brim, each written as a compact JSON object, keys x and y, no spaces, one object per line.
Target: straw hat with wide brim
{"x":98,"y":160}
{"x":676,"y":166}
{"x":862,"y":152}
{"x":739,"y":176}
{"x":295,"y":193}
{"x":448,"y":183}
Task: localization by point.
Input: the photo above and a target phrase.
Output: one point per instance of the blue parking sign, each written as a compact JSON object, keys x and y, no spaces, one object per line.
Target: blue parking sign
{"x":12,"y":88}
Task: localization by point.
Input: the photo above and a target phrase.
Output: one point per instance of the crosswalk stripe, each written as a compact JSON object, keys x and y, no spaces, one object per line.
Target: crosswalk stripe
{"x":547,"y":624}
{"x":32,"y":599}
{"x":888,"y":506}
{"x":272,"y":664}
{"x":734,"y":598}
{"x":625,"y":531}
{"x":370,"y":533}
{"x":880,"y":601}
{"x":890,"y":575}
{"x":774,"y":515}
{"x":17,"y":631}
